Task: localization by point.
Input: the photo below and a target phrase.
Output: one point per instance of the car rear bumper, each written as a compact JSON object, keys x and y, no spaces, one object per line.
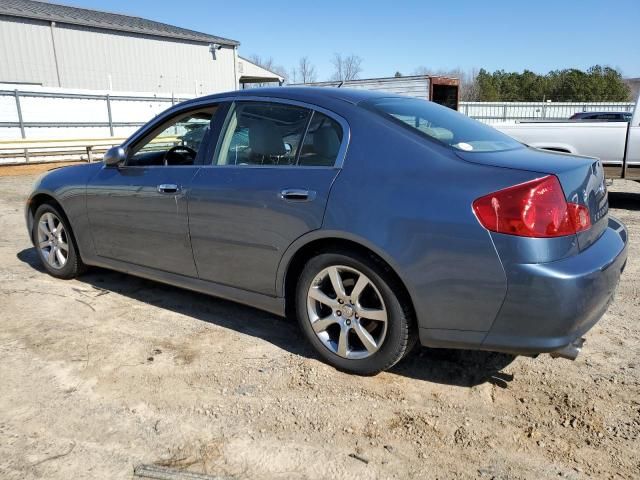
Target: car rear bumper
{"x":549,"y":306}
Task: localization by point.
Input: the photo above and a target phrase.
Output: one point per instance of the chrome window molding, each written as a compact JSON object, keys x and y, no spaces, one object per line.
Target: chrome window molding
{"x":342,"y":151}
{"x":208,"y":162}
{"x":166,"y":115}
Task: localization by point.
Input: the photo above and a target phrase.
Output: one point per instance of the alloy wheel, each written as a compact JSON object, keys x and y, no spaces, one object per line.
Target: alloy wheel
{"x":347,"y":312}
{"x":53,"y":241}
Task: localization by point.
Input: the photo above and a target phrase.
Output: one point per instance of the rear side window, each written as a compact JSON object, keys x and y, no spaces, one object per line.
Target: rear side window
{"x":321,"y":143}
{"x":442,"y":124}
{"x":263,"y":134}
{"x":276,"y":134}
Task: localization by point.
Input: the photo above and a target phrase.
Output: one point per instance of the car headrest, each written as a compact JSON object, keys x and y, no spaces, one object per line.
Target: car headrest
{"x":265,"y":138}
{"x":326,"y":142}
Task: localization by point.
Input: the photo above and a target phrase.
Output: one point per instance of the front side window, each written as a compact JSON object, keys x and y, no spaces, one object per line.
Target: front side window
{"x":263,"y":134}
{"x":442,"y":124}
{"x":176,"y":142}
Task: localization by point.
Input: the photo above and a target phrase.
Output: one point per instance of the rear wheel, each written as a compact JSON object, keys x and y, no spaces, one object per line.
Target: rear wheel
{"x":55,"y":244}
{"x":350,"y":310}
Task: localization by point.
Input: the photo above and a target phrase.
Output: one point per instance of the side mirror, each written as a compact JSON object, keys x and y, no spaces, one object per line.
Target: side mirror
{"x":114,"y":156}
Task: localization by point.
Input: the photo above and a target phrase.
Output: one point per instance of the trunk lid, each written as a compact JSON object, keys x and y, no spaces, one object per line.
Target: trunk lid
{"x":582,"y":180}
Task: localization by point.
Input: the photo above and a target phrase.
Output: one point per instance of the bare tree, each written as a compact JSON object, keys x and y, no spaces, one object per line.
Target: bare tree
{"x":269,"y":64}
{"x":293,"y":78}
{"x":263,"y":62}
{"x":346,"y":68}
{"x":306,"y":71}
{"x":471,"y":89}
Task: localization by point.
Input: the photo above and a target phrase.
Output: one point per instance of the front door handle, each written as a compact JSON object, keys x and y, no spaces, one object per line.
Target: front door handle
{"x":168,"y":188}
{"x":297,"y":195}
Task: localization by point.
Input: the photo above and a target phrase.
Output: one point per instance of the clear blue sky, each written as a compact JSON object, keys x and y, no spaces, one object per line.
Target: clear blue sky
{"x":392,"y":36}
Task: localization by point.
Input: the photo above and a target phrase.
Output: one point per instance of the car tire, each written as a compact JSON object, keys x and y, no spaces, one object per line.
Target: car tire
{"x":51,"y":232}
{"x":369,"y":354}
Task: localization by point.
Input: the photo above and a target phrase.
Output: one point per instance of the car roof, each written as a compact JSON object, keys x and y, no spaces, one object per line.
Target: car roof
{"x":308,"y":94}
{"x":602,"y":113}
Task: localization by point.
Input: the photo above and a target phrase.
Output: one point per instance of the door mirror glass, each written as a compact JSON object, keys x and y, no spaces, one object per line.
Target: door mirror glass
{"x":114,"y":156}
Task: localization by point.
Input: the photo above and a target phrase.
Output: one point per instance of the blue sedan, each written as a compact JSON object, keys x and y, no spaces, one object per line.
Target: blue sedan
{"x":378,"y":221}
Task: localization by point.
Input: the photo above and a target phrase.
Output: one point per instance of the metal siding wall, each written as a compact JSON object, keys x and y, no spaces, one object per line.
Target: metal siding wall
{"x":418,"y":88}
{"x":26,"y":53}
{"x":411,"y":87}
{"x":87,"y":57}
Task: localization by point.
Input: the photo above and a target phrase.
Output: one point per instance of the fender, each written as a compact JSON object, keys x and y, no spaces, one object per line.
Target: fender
{"x":315,"y":235}
{"x":67,"y":186}
{"x":556,"y":147}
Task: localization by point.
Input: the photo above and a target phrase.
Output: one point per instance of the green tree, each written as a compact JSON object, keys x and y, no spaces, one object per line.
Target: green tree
{"x":487,"y":89}
{"x":597,"y":84}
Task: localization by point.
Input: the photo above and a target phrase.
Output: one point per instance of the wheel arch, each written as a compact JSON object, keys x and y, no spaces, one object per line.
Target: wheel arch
{"x":311,"y":244}
{"x":34,"y":203}
{"x":40,"y":198}
{"x":555,"y":147}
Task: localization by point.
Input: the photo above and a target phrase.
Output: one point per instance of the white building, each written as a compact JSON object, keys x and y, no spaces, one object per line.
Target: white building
{"x":59,"y":46}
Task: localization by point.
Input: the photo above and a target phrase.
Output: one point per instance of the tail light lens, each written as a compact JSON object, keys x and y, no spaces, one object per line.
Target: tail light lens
{"x":533,"y":209}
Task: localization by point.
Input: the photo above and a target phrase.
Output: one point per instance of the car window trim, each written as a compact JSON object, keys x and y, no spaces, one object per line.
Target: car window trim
{"x":221,"y":136}
{"x":344,"y":125}
{"x":214,"y":133}
{"x":304,"y":138}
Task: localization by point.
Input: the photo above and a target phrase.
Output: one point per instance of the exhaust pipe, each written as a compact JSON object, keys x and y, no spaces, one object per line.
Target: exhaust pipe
{"x":570,"y":352}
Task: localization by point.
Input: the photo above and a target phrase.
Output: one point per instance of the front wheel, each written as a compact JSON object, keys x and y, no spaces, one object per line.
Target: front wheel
{"x":349,"y":308}
{"x":55,"y":244}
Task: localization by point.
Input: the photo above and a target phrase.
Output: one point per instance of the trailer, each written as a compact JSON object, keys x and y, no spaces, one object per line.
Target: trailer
{"x":442,"y":90}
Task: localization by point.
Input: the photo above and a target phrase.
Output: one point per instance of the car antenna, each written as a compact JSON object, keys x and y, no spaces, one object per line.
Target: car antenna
{"x":340,"y":84}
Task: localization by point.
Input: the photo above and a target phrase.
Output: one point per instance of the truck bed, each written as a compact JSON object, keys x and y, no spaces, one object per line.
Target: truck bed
{"x":604,"y":140}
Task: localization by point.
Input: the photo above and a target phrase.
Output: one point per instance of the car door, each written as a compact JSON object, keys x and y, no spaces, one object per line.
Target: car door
{"x":138,"y":210}
{"x":267,"y":185}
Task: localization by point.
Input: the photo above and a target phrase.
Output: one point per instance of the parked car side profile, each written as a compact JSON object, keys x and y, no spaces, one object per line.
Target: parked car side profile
{"x":377,"y":220}
{"x":602,"y":116}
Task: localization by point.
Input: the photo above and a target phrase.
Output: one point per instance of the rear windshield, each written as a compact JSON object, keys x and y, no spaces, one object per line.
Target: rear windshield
{"x":443,"y":124}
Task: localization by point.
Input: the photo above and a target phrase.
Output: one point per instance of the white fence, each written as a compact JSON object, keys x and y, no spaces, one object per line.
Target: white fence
{"x":38,"y":113}
{"x":88,"y":119}
{"x":47,"y":113}
{"x":491,"y":112}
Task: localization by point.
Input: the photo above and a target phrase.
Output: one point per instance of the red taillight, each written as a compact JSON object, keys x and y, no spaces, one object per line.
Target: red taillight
{"x":533,"y":209}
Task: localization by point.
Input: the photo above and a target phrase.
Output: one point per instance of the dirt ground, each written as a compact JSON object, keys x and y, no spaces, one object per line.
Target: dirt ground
{"x":31,"y":168}
{"x":107,"y":372}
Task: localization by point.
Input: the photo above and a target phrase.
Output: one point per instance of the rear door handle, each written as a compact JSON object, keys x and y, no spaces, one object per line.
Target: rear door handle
{"x":168,"y":188}
{"x":297,"y":195}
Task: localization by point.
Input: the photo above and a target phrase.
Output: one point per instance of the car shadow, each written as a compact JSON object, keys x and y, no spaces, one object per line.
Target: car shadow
{"x":624,"y":200}
{"x":450,"y":367}
{"x":463,"y":368}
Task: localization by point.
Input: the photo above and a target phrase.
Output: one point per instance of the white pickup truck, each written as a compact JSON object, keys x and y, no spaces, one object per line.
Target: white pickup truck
{"x":617,"y":144}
